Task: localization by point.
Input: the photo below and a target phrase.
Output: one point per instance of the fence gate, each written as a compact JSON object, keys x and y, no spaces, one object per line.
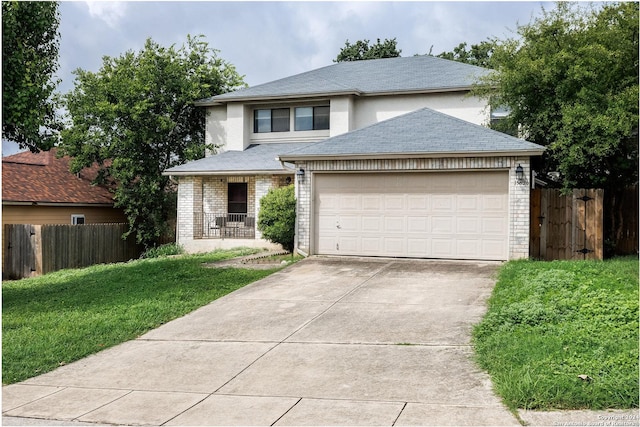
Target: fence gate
{"x":567,"y":226}
{"x":23,"y":242}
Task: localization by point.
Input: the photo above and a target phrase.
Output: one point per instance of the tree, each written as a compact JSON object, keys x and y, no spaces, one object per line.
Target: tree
{"x":571,"y":84}
{"x":361,"y":50}
{"x":30,"y":42}
{"x":277,"y":216}
{"x":479,"y":54}
{"x":136,"y":117}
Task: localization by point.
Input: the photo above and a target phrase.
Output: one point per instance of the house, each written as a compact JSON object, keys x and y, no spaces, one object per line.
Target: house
{"x":389,"y":157}
{"x":38,"y":188}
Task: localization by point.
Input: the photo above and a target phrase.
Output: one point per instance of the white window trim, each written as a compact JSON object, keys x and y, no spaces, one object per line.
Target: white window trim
{"x":75,"y":217}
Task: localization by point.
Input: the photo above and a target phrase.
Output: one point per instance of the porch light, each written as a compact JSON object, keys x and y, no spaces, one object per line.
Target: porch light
{"x":519,"y":174}
{"x":300,"y":173}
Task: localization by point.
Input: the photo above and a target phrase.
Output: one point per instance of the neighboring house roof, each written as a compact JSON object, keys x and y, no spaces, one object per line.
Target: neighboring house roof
{"x":43,"y":178}
{"x":423,"y":132}
{"x":371,"y":77}
{"x":256,"y":158}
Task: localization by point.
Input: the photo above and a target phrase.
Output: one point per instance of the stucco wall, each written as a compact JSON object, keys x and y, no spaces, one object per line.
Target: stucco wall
{"x":231,"y":126}
{"x":369,"y":110}
{"x":518,"y":192}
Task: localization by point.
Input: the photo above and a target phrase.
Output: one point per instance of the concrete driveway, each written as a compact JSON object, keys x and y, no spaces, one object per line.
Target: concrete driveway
{"x":327,"y":341}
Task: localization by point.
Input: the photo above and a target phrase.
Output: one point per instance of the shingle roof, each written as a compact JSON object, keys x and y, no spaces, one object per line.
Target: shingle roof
{"x":44,"y":178}
{"x":421,"y":132}
{"x":414,"y":73}
{"x":256,"y":158}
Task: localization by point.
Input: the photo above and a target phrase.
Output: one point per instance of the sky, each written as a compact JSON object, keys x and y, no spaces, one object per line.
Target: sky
{"x":267,"y":40}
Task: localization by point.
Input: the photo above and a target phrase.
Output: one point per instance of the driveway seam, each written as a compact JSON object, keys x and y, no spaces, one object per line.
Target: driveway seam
{"x":303,"y":325}
{"x":384,"y":266}
{"x":399,"y":413}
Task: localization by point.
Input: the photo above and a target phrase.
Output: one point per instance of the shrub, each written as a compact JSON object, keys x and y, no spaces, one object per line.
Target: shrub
{"x":277,"y":216}
{"x":163,"y":250}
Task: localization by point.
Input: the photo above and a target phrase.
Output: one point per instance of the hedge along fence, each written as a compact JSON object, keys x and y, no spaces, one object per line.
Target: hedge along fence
{"x":32,"y":250}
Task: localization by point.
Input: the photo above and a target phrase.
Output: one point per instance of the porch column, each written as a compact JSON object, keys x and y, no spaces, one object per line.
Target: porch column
{"x":189,"y":205}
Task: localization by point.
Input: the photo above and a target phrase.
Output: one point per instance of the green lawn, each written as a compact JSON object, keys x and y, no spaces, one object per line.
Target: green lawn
{"x":550,"y":322}
{"x":60,"y":317}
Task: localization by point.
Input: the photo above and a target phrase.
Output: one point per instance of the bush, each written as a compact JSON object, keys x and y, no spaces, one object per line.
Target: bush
{"x":163,"y":250}
{"x":277,"y":216}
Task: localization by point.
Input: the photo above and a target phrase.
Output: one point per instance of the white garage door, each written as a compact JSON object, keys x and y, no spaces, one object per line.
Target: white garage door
{"x":454,"y":215}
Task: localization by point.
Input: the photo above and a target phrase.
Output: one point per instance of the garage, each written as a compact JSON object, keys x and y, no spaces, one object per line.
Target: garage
{"x":448,"y":215}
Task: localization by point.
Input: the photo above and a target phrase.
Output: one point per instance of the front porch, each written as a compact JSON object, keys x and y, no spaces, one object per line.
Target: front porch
{"x":221,"y":212}
{"x":223,"y":225}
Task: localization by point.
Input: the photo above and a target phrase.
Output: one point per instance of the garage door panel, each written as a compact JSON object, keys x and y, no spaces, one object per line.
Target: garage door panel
{"x":417,"y":224}
{"x":350,"y":202}
{"x":493,"y":248}
{"x":348,"y":244}
{"x":494,"y":203}
{"x":442,"y":225}
{"x":468,"y":225}
{"x":327,"y":223}
{"x":394,"y":202}
{"x":371,"y":202}
{"x":496,"y":226}
{"x":371,"y":224}
{"x":418,"y":246}
{"x":394,"y":246}
{"x":442,"y":248}
{"x":466,"y":248}
{"x":417,"y":203}
{"x":468,"y":203}
{"x":349,"y":223}
{"x":371,"y":245}
{"x":443,"y":203}
{"x":458,"y":215}
{"x":394,"y":224}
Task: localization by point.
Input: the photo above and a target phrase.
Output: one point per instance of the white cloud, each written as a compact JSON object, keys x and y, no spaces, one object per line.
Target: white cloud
{"x":108,"y":11}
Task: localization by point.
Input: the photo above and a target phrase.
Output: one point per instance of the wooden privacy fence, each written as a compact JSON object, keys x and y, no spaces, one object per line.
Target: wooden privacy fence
{"x":625,"y":234}
{"x":32,"y":250}
{"x":567,"y":226}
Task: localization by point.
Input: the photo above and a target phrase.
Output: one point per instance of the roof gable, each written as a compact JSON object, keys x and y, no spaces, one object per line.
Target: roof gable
{"x":421,"y":132}
{"x":375,"y":76}
{"x":45,"y":178}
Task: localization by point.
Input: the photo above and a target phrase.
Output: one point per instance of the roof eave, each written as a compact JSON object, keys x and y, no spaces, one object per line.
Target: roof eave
{"x":417,"y":155}
{"x":211,"y":103}
{"x":56,"y":204}
{"x":266,"y":98}
{"x":227,"y":172}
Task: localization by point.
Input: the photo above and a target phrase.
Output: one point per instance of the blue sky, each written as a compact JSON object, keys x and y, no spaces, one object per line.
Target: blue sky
{"x":270,"y":40}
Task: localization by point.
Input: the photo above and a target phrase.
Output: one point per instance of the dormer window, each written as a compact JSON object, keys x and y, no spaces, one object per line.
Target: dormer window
{"x":312,"y":118}
{"x":273,"y":120}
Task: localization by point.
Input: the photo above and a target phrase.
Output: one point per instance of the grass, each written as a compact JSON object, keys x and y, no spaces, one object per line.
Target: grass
{"x":61,"y":317}
{"x":550,"y":322}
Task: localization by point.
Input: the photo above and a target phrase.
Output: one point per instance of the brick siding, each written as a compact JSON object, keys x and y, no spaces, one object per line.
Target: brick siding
{"x":518,"y":193}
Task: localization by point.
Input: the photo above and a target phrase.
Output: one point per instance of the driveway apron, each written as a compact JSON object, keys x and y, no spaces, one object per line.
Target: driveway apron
{"x":327,"y":341}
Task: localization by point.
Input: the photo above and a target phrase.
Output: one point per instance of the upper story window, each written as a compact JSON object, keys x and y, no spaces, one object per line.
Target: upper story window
{"x":311,"y":118}
{"x":279,"y":119}
{"x":273,"y":120}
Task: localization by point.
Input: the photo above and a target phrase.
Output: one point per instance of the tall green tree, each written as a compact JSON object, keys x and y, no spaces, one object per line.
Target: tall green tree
{"x":362,"y":50}
{"x":571,"y":83}
{"x":30,"y":43}
{"x":479,"y":54}
{"x":136,"y":117}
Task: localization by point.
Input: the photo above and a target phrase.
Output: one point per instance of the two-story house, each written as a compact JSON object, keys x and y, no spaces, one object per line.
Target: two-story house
{"x":389,"y":157}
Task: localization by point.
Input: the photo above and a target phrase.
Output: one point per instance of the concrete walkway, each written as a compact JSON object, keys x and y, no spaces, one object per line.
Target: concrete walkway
{"x":327,"y":341}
